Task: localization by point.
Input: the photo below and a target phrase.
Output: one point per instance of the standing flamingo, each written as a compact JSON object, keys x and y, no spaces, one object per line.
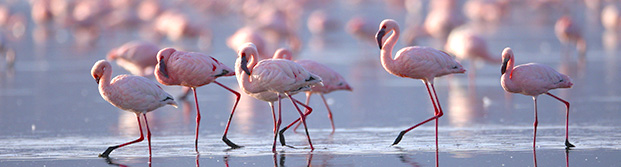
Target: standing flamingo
{"x":332,"y":81}
{"x":131,"y":93}
{"x":415,"y":62}
{"x":276,"y":76}
{"x":465,"y":44}
{"x":568,"y":32}
{"x":192,"y":69}
{"x":137,"y":57}
{"x":533,"y":80}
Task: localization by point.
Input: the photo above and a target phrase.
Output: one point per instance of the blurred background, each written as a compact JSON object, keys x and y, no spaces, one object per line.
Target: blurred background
{"x":51,"y":112}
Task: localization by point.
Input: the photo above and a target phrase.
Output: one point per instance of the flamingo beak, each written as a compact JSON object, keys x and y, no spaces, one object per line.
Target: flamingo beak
{"x":97,"y":80}
{"x":380,"y":34}
{"x":349,"y":88}
{"x":163,"y":68}
{"x":503,"y":69}
{"x":244,"y":63}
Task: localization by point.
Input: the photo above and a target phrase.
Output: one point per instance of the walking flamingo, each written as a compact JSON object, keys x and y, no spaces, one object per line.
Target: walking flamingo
{"x":192,"y":69}
{"x":137,"y":57}
{"x":275,"y":76}
{"x":332,"y":81}
{"x":465,"y":44}
{"x":415,"y":62}
{"x":131,"y":93}
{"x":533,"y":80}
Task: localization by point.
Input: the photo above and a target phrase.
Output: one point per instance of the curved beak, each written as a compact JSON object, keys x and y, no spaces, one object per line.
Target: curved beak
{"x":380,"y":34}
{"x":503,"y":69}
{"x":163,"y":68}
{"x":244,"y":63}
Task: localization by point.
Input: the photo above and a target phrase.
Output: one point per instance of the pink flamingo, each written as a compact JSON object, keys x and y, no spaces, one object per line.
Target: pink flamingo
{"x":568,"y":32}
{"x":248,"y":34}
{"x":137,"y":57}
{"x":279,"y":76}
{"x":192,"y":69}
{"x":533,"y":80}
{"x":465,"y":44}
{"x":131,"y":93}
{"x":332,"y":81}
{"x":415,"y":62}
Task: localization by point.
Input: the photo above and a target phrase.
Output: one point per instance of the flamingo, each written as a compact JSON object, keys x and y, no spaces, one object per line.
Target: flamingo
{"x":465,"y":44}
{"x":332,"y":81}
{"x":137,"y":57}
{"x":192,"y":69}
{"x":131,"y":93}
{"x":278,"y":76}
{"x":415,"y":62}
{"x":534,"y":79}
{"x":568,"y":32}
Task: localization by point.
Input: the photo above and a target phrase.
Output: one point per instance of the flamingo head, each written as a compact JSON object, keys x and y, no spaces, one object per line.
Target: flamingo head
{"x":385,"y":27}
{"x":99,"y":68}
{"x":380,"y":35}
{"x":162,"y":57}
{"x":507,"y":54}
{"x":247,"y":49}
{"x":283,"y":53}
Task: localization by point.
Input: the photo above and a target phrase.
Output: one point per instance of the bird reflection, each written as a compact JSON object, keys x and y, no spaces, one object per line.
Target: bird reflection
{"x":112,"y":163}
{"x":408,"y":160}
{"x":465,"y":105}
{"x":534,"y":157}
{"x":277,"y":162}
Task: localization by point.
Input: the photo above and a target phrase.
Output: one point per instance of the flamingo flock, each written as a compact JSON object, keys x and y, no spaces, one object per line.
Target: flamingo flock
{"x":272,"y":79}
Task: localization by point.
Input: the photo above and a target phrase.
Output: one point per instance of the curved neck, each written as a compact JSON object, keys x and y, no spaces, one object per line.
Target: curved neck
{"x":104,"y":82}
{"x":386,"y":52}
{"x":243,"y":79}
{"x":506,"y":77}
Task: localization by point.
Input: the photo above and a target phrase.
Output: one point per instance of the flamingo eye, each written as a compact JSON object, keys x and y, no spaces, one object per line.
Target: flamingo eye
{"x":454,"y":67}
{"x":341,"y":84}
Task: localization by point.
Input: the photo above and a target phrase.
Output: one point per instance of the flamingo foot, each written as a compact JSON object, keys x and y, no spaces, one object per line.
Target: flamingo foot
{"x":568,"y":145}
{"x":230,"y":144}
{"x":108,"y":151}
{"x":398,"y":139}
{"x":282,"y":137}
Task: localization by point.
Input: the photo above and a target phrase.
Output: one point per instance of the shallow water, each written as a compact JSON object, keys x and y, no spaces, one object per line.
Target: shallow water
{"x":51,"y":113}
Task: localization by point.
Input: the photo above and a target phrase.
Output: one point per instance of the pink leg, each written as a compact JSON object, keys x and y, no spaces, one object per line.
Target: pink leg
{"x":277,"y":125}
{"x":111,"y":148}
{"x":146,"y":123}
{"x":329,"y":111}
{"x":226,"y":130}
{"x":535,"y":157}
{"x":308,"y":111}
{"x":436,"y":115}
{"x":567,"y":144}
{"x":303,"y":118}
{"x":186,"y":92}
{"x":198,"y":120}
{"x":438,"y":112}
{"x":535,"y":123}
{"x":308,"y":96}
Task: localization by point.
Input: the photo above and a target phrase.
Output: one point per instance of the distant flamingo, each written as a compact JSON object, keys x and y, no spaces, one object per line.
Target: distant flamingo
{"x":131,"y":93}
{"x":441,"y":19}
{"x":248,"y":34}
{"x":465,"y":44}
{"x":533,"y":80}
{"x":332,"y":81}
{"x":415,"y":62}
{"x":192,"y":69}
{"x":137,"y":57}
{"x":279,"y":76}
{"x":568,"y":32}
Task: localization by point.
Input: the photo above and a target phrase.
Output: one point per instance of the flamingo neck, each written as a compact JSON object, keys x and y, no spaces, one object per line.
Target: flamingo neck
{"x":507,"y":83}
{"x":386,"y":53}
{"x":104,"y":81}
{"x":243,"y":79}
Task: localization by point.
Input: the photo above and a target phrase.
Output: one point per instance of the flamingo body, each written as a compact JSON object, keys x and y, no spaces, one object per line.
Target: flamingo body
{"x":191,"y":69}
{"x":137,"y":57}
{"x":331,"y":80}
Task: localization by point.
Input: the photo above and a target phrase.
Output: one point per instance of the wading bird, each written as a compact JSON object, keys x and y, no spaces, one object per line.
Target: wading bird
{"x":131,"y":93}
{"x":534,"y":79}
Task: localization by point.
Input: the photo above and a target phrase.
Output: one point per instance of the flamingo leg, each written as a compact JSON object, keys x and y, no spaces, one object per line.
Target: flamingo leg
{"x":303,"y":118}
{"x":436,"y":115}
{"x":198,"y":120}
{"x":111,"y":148}
{"x":308,"y":96}
{"x":535,"y":123}
{"x":277,"y":125}
{"x":228,"y":123}
{"x":308,"y":111}
{"x":146,"y":123}
{"x":439,"y":112}
{"x":329,"y":111}
{"x":567,"y":144}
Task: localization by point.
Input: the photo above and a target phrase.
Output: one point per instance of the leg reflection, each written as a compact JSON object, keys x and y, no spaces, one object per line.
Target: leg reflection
{"x":110,"y":162}
{"x":534,"y":157}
